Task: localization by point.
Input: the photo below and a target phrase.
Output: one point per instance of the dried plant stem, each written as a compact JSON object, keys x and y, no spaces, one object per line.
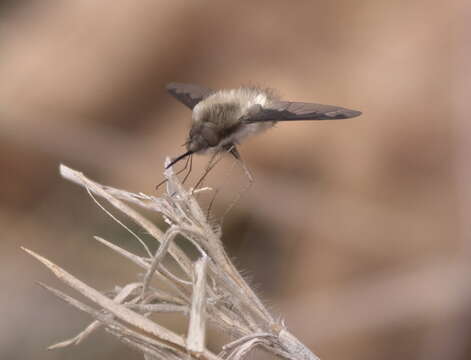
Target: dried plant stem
{"x":207,"y":291}
{"x":196,"y":339}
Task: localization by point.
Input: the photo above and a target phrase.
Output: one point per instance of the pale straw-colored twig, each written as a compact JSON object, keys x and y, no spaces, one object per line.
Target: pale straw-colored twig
{"x":209,"y":291}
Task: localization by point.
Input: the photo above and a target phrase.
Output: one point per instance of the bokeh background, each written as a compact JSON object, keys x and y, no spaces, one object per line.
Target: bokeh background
{"x":356,"y":232}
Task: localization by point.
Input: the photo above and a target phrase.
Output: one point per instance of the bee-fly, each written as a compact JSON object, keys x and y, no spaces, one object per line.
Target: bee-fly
{"x":223,"y":118}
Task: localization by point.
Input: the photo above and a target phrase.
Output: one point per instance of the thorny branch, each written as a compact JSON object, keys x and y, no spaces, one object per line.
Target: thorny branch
{"x":208,"y":291}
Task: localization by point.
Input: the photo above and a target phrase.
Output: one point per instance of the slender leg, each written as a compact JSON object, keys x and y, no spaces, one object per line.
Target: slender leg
{"x":160,"y":184}
{"x":211,"y":164}
{"x":189,"y":170}
{"x":210,"y":206}
{"x":233,"y":150}
{"x":188,"y":159}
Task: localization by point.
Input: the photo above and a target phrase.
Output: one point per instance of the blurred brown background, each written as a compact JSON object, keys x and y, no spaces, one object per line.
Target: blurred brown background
{"x":356,"y":232}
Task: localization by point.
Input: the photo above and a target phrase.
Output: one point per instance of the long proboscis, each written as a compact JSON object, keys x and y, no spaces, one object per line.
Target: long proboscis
{"x":177,"y":159}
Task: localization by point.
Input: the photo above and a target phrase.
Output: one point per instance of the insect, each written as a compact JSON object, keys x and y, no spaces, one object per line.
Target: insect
{"x":221,"y":119}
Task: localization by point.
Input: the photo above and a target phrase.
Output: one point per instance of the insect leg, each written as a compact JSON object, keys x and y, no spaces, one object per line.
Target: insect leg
{"x":210,"y":206}
{"x":188,"y":159}
{"x":211,"y":164}
{"x":235,"y":153}
{"x":189,"y":170}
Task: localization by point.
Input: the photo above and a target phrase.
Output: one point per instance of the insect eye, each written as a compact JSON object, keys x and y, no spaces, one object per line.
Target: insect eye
{"x":210,"y":135}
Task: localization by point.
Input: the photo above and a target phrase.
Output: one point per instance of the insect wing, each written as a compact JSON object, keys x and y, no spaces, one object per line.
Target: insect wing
{"x":290,"y":111}
{"x":188,"y":94}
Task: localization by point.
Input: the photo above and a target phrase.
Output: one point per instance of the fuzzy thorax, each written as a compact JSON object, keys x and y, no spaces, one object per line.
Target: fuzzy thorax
{"x":217,"y":120}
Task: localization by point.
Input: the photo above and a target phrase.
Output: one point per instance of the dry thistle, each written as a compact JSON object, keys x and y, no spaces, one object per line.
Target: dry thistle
{"x":208,"y":291}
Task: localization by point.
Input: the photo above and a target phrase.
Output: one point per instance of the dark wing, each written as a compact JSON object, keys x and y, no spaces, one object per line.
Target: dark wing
{"x":188,"y":94}
{"x":289,"y":111}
